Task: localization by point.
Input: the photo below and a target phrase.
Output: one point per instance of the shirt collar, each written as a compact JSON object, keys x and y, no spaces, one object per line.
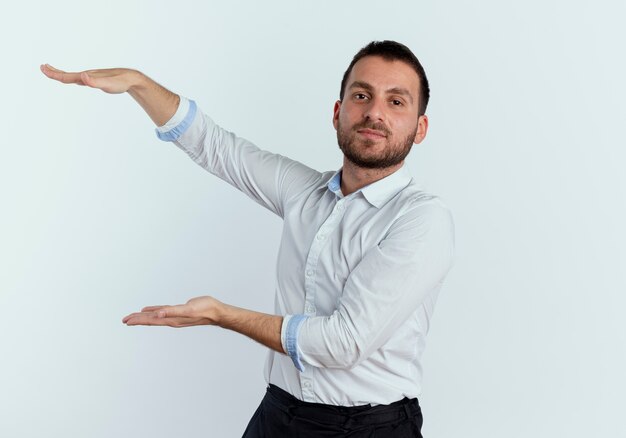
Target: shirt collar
{"x":379,"y":192}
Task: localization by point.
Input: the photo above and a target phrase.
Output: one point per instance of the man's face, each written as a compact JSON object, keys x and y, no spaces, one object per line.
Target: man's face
{"x":377,"y":121}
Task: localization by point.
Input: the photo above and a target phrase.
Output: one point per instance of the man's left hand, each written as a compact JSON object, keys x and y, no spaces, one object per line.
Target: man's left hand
{"x":197,"y":311}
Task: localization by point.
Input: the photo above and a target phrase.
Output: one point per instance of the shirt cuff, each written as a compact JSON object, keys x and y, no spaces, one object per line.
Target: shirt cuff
{"x":180,"y":121}
{"x":289,"y":338}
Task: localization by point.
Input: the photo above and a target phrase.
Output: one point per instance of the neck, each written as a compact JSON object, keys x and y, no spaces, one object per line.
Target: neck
{"x":354,"y":177}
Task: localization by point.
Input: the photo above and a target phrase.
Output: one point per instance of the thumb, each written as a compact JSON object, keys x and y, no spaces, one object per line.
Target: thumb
{"x":101,"y":83}
{"x":170,"y":311}
{"x":88,"y":80}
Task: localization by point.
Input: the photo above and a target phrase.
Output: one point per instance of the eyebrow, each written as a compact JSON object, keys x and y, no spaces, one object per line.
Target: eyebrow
{"x":395,"y":90}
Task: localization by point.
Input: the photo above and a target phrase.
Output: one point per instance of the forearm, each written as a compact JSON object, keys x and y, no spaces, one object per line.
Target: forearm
{"x":261,"y":327}
{"x":157,"y":101}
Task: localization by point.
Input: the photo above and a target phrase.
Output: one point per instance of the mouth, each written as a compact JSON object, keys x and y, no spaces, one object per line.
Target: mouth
{"x":372,"y":134}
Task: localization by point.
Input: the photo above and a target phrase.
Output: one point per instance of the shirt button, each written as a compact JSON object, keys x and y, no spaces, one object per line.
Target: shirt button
{"x":310,"y":309}
{"x":320,"y":237}
{"x":309,"y":273}
{"x":307,"y":384}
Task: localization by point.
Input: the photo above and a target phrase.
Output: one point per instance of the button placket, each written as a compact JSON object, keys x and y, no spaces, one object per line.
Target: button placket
{"x":307,"y":388}
{"x":310,"y":271}
{"x":329,"y":225}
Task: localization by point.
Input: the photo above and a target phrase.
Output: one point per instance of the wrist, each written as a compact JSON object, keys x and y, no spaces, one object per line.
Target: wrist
{"x":218,"y":313}
{"x":158,"y":102}
{"x":137,"y":82}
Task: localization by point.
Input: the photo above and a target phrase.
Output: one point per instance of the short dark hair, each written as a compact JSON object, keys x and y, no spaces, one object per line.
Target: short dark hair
{"x":392,"y":51}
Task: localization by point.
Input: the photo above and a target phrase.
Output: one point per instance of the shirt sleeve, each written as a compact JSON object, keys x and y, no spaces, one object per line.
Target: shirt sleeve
{"x":268,"y":178}
{"x":289,"y":338}
{"x":384,"y":289}
{"x":167,"y":132}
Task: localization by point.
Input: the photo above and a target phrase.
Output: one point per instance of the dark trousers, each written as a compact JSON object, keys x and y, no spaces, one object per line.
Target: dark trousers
{"x":281,"y":415}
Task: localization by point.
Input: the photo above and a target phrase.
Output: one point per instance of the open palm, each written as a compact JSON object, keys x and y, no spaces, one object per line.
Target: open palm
{"x":197,"y":311}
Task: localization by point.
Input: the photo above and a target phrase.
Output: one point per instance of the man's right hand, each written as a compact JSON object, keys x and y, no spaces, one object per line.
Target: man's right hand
{"x":157,"y":101}
{"x":109,"y":80}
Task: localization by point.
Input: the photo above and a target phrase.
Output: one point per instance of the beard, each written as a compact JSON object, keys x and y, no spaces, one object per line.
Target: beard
{"x":352,"y":147}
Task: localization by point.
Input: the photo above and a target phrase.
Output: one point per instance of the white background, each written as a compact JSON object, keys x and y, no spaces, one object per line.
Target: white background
{"x":99,"y":218}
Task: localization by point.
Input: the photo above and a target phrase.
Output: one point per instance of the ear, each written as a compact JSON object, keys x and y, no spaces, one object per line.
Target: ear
{"x":336,"y":113}
{"x":422,"y":128}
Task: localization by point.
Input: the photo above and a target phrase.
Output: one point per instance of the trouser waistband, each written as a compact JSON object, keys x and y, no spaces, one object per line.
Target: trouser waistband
{"x":344,"y":416}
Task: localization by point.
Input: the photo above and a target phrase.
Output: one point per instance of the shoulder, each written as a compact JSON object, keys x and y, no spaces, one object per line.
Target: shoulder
{"x":422,"y":220}
{"x":414,"y":202}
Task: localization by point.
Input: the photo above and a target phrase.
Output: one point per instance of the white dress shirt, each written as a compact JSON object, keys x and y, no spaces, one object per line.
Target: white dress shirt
{"x":357,"y":276}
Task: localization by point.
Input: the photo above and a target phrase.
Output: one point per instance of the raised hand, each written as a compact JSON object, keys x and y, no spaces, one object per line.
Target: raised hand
{"x":158,"y":102}
{"x":197,"y":311}
{"x":109,"y":80}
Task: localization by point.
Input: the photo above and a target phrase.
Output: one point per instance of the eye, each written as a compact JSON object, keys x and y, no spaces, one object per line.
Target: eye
{"x":360,"y":96}
{"x":396,"y":102}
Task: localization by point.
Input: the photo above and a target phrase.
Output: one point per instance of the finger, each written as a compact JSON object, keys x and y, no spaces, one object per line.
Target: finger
{"x":48,"y":70}
{"x":60,"y":75}
{"x":101,"y":72}
{"x":51,"y":68}
{"x":145,"y":319}
{"x":140,"y":314}
{"x":171,"y":322}
{"x":152,"y":308}
{"x":181,"y":310}
{"x":148,"y":309}
{"x":132,"y":315}
{"x":103,"y":81}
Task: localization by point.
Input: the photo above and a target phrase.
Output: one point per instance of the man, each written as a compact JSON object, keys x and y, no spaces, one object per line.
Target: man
{"x":362,"y":257}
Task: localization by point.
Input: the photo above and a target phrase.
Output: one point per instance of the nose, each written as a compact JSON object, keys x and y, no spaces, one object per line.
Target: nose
{"x":375,"y":110}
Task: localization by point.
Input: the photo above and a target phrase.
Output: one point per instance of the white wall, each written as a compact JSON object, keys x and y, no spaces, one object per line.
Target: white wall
{"x":99,"y":218}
